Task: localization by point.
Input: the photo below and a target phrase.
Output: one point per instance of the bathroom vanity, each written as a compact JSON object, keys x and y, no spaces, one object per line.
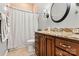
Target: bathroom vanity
{"x":56,"y":44}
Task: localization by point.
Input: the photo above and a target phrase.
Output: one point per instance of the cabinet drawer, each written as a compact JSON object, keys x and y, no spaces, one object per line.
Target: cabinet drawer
{"x":72,"y":47}
{"x":60,"y":43}
{"x":68,"y":46}
{"x":60,"y":52}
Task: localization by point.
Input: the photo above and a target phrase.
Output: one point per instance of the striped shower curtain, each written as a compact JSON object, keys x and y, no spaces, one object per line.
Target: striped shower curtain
{"x":23,"y":24}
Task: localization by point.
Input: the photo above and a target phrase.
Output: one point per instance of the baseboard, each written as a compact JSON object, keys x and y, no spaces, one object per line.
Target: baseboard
{"x":6,"y":53}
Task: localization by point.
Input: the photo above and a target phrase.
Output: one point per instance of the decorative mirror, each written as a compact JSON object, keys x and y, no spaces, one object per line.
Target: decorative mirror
{"x":77,"y":4}
{"x":59,"y":11}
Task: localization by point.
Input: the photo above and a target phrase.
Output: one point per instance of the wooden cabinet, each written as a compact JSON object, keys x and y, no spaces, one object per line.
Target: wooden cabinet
{"x":42,"y":45}
{"x":45,"y":46}
{"x":67,"y":45}
{"x":72,"y":47}
{"x":48,"y":45}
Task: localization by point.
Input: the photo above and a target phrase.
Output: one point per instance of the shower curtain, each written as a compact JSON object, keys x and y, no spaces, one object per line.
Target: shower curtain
{"x":23,"y":24}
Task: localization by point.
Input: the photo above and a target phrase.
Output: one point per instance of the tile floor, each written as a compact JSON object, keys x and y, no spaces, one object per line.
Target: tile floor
{"x":20,"y":52}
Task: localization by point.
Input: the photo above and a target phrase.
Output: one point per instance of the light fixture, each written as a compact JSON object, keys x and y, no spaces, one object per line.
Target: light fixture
{"x":46,"y":14}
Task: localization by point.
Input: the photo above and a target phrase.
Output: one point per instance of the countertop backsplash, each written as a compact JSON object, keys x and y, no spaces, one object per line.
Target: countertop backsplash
{"x":73,"y":30}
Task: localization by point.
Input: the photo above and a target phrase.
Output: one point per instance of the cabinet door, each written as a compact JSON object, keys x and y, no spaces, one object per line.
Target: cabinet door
{"x":50,"y":46}
{"x":42,"y":45}
{"x":53,"y":46}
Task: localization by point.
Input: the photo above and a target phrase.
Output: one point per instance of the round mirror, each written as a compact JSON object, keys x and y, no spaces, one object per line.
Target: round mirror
{"x":59,"y":11}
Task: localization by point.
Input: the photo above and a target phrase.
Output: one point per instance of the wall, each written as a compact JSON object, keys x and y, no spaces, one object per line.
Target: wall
{"x":3,"y":45}
{"x":72,"y":19}
{"x":35,"y":8}
{"x":24,"y":6}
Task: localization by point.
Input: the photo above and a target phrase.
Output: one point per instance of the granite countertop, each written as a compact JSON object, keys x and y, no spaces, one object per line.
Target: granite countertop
{"x":68,"y":35}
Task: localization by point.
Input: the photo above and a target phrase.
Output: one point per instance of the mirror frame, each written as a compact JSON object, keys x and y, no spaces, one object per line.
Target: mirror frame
{"x":63,"y":17}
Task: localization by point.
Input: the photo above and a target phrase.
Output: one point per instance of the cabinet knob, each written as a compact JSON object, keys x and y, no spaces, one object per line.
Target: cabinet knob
{"x":63,"y":45}
{"x":60,"y":54}
{"x":69,"y":46}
